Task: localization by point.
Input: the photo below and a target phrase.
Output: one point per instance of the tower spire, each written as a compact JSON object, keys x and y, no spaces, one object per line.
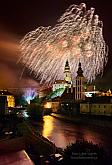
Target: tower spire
{"x":80,"y":71}
{"x":67,"y":67}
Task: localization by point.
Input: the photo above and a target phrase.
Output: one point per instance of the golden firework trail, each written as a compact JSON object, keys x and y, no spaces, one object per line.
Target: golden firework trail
{"x":76,"y":36}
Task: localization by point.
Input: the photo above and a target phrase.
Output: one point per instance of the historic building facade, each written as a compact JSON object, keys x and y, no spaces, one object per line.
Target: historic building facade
{"x":96,"y":109}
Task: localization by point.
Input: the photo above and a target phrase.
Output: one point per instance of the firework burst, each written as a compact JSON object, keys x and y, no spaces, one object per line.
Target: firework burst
{"x":77,"y":36}
{"x":29,"y":94}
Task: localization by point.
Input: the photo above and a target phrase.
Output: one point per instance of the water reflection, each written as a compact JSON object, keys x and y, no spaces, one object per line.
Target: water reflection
{"x":92,"y":136}
{"x":47,"y":126}
{"x":62,"y":133}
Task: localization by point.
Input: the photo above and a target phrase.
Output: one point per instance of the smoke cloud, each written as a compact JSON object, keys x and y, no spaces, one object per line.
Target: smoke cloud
{"x":11,"y":72}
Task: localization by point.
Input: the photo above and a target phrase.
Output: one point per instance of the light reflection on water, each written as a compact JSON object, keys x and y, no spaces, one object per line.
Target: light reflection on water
{"x":62,"y":133}
{"x":47,"y":126}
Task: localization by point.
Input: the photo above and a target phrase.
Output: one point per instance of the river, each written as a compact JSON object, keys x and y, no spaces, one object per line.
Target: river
{"x":63,"y":133}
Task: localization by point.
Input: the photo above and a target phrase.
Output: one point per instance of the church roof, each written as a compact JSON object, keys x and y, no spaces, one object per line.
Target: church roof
{"x":67,"y":64}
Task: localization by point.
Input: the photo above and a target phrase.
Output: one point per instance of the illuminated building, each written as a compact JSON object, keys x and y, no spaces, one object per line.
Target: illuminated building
{"x":106,"y":93}
{"x":67,"y":82}
{"x":48,"y":105}
{"x":11,"y":101}
{"x":54,"y":104}
{"x":67,"y":73}
{"x":68,"y":92}
{"x":90,"y":93}
{"x":83,"y":98}
{"x":98,"y":106}
{"x":57,"y":93}
{"x":7,"y":100}
{"x":59,"y":84}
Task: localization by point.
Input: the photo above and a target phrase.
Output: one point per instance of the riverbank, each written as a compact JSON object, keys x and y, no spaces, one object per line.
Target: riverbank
{"x":35,"y":145}
{"x":85,"y":119}
{"x":37,"y":141}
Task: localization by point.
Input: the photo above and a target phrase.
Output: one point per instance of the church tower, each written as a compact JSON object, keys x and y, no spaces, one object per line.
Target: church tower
{"x":79,"y":89}
{"x":67,"y":73}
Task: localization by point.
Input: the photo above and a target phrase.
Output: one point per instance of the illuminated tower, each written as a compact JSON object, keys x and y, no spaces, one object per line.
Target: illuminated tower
{"x":67,"y":73}
{"x":79,"y":89}
{"x":68,"y":77}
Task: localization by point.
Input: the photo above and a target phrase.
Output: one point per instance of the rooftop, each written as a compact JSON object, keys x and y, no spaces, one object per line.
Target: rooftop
{"x":5,"y":92}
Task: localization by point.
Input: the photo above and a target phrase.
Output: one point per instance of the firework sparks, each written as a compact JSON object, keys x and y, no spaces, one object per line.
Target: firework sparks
{"x":76,"y":36}
{"x":29,"y":94}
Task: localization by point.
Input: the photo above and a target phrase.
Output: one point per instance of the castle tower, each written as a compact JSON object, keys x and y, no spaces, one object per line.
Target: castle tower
{"x":67,"y":73}
{"x":79,"y":89}
{"x":68,"y":77}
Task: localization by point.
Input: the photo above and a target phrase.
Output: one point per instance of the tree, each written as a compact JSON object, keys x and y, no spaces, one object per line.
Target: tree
{"x":85,"y":153}
{"x":35,"y":111}
{"x":20,"y":101}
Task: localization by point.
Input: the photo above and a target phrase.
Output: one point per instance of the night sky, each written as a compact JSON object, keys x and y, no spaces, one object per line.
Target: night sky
{"x":21,"y":16}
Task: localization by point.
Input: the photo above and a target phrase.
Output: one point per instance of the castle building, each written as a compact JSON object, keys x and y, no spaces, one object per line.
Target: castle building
{"x":80,"y":99}
{"x":59,"y":84}
{"x":67,"y":82}
{"x":79,"y":88}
